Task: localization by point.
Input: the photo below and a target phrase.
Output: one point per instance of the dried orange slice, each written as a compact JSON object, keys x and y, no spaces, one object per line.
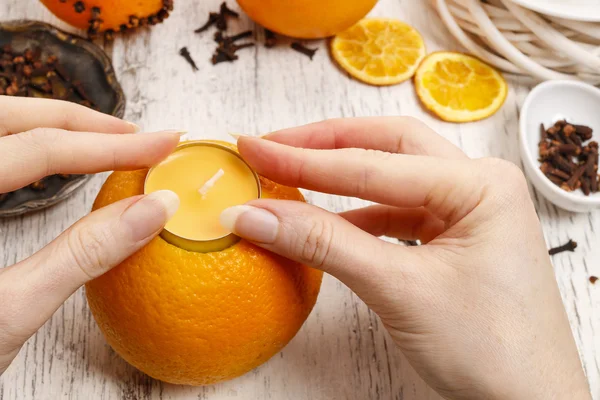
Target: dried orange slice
{"x":379,"y":51}
{"x":459,"y":88}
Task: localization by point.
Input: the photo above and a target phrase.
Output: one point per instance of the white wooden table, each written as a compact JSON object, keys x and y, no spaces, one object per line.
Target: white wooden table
{"x":343,"y":351}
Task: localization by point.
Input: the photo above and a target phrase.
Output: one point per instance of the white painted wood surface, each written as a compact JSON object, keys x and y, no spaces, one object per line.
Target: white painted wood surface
{"x":343,"y":351}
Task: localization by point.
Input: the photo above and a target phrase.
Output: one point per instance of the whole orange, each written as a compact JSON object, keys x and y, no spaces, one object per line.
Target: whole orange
{"x":200,"y":318}
{"x":308,"y":19}
{"x":110,"y":15}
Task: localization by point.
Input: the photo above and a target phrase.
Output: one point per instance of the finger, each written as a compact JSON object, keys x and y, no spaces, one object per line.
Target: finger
{"x":36,"y":287}
{"x":401,"y":223}
{"x":317,"y":238}
{"x":20,"y":114}
{"x":447,"y":188}
{"x":30,"y":156}
{"x":404,"y":135}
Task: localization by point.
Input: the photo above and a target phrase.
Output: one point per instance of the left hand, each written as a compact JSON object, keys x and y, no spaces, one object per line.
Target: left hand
{"x":45,"y":137}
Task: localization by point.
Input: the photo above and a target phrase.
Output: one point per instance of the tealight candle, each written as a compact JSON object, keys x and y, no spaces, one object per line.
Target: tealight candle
{"x":208,"y":178}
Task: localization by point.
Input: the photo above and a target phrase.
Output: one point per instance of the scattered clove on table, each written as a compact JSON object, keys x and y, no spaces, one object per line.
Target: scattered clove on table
{"x":227,"y":46}
{"x":184,"y":52}
{"x":218,"y":19}
{"x":569,"y":246}
{"x":212,"y":20}
{"x":299,"y":47}
{"x":567,"y":161}
{"x":270,"y":38}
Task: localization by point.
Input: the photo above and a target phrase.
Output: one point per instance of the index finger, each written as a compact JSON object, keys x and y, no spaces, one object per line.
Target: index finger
{"x":28,"y":157}
{"x":449,"y":189}
{"x":404,"y":135}
{"x":20,"y":114}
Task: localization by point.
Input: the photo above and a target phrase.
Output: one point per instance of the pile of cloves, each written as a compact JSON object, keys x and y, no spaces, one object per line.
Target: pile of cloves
{"x":566,"y":159}
{"x":227,"y":46}
{"x":28,"y":75}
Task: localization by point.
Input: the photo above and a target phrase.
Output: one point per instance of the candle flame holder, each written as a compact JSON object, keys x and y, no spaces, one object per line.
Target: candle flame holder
{"x":209,"y":245}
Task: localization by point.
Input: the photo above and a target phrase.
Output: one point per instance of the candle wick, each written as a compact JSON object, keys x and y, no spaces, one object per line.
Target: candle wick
{"x":210,"y":183}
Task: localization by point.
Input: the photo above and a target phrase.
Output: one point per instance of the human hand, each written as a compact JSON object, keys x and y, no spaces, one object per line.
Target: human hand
{"x":476,"y":309}
{"x":45,"y":137}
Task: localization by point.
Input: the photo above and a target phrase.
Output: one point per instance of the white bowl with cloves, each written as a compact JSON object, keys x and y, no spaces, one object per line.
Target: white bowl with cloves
{"x":559,"y":133}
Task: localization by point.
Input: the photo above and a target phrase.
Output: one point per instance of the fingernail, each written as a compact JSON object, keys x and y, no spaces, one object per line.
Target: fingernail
{"x":136,"y":128}
{"x":180,"y":132}
{"x":254,"y":224}
{"x":150,"y":213}
{"x":236,"y":136}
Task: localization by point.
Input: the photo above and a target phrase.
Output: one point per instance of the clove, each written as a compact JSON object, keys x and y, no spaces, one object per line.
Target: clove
{"x":184,"y":52}
{"x":212,"y":19}
{"x":548,"y":169}
{"x":573,"y":182}
{"x":270,"y":39}
{"x":569,"y":246}
{"x":38,"y":186}
{"x":299,"y":47}
{"x":228,"y":40}
{"x":227,"y":11}
{"x":585,"y":132}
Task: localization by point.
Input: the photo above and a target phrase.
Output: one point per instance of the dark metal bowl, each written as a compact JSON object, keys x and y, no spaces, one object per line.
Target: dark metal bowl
{"x":84,"y":62}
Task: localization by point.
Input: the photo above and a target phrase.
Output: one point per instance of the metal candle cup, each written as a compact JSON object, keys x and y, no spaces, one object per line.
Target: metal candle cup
{"x":208,"y":177}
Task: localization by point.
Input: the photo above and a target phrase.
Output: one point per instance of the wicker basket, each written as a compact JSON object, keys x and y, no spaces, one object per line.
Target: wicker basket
{"x":520,"y":41}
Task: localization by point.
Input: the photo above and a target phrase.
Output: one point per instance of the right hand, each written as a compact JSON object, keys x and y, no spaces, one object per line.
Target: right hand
{"x":476,"y":309}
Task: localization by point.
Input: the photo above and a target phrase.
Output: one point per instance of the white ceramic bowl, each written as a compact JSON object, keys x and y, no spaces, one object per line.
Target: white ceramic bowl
{"x":548,"y":102}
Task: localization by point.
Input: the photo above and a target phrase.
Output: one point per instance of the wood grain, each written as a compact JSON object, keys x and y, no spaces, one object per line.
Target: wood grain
{"x":342,"y":352}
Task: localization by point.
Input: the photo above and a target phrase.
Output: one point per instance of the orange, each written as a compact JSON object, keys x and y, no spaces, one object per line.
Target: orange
{"x":308,"y":19}
{"x":110,"y":15}
{"x":195,"y":318}
{"x":379,"y":51}
{"x":459,"y":88}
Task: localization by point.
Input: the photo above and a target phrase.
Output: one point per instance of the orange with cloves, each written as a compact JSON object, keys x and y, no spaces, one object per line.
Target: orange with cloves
{"x":109,"y":16}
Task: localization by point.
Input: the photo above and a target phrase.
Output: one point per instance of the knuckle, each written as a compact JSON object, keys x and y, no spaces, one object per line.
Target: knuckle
{"x":39,"y":136}
{"x":505,"y":180}
{"x":506,"y":173}
{"x":411,"y":121}
{"x":332,"y":124}
{"x":89,"y":249}
{"x":315,"y":246}
{"x":68,"y":112}
{"x":41,"y":142}
{"x":370,"y":161}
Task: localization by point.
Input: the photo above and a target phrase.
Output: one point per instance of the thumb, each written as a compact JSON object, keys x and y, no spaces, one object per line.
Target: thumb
{"x":315,"y":237}
{"x":37,"y":286}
